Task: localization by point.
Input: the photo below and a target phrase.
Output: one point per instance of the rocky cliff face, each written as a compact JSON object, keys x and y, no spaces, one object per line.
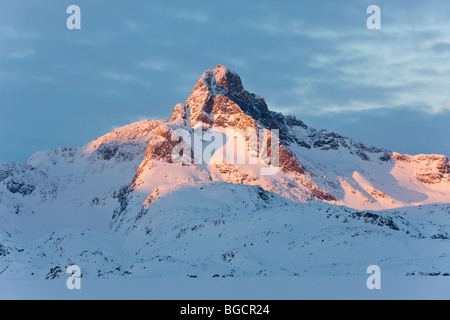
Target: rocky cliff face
{"x":435,"y":169}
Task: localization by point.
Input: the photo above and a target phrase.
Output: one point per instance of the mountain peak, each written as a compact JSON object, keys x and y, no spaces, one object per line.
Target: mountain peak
{"x":220,"y":92}
{"x":227,"y":79}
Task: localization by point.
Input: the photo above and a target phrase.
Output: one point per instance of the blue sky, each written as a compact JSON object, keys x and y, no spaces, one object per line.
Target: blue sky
{"x":136,"y":59}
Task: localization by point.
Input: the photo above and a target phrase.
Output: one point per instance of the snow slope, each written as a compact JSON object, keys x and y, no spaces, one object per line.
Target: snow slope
{"x":313,"y":165}
{"x":120,"y":207}
{"x":226,"y":230}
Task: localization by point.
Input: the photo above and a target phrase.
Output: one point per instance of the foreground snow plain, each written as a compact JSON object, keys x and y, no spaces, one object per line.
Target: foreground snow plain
{"x":286,"y":288}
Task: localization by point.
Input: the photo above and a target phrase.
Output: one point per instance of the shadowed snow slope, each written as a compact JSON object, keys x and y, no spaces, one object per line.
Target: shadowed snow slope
{"x":225,"y":230}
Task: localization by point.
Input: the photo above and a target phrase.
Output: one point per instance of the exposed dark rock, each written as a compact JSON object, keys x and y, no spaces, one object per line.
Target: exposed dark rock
{"x":122,"y":197}
{"x":440,"y":237}
{"x":3,"y":251}
{"x":386,"y":157}
{"x":327,"y":141}
{"x":362,"y":155}
{"x":294,"y":122}
{"x":302,"y":143}
{"x":107,"y":151}
{"x":54,"y":273}
{"x":376,"y":219}
{"x":323,"y":195}
{"x":263,"y":194}
{"x":20,"y":187}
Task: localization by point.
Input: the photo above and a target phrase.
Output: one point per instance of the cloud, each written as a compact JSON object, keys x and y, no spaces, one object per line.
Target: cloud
{"x":155,"y":64}
{"x":97,"y":38}
{"x":22,"y":54}
{"x":441,"y":47}
{"x":347,"y":68}
{"x":363,"y":71}
{"x":8,"y":32}
{"x":274,"y":27}
{"x":440,"y":108}
{"x":194,"y":16}
{"x":131,"y":26}
{"x":25,"y":78}
{"x":120,"y":77}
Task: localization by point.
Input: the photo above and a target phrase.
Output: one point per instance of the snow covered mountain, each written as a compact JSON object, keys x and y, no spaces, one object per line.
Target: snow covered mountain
{"x":121,"y":206}
{"x":225,"y":230}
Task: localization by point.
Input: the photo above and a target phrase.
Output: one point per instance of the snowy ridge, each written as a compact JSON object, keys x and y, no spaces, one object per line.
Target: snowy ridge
{"x":120,"y":207}
{"x":315,"y":165}
{"x":225,"y":230}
